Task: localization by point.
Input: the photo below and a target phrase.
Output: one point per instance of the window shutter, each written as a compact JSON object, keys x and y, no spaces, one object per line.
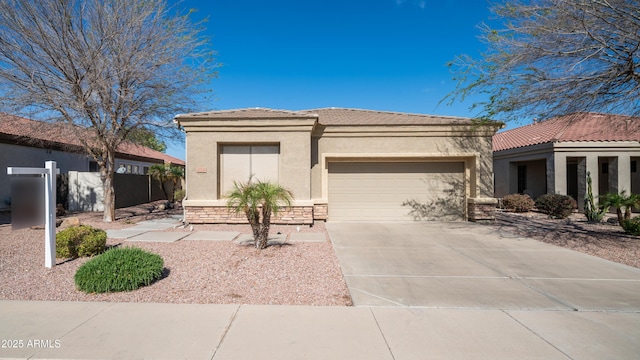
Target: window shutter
{"x":235,"y":165}
{"x":264,"y":163}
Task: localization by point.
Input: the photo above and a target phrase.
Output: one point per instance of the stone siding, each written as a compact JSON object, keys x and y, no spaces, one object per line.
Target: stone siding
{"x":481,"y":209}
{"x":222,"y":215}
{"x":320,"y":212}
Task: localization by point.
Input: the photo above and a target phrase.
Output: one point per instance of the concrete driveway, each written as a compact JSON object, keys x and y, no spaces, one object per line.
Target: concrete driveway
{"x":468,"y":265}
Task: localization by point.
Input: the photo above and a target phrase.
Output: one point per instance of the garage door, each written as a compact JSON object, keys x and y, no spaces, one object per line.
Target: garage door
{"x":396,"y":191}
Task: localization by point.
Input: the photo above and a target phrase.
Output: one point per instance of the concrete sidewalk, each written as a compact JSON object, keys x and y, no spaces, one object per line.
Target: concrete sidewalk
{"x":77,"y":330}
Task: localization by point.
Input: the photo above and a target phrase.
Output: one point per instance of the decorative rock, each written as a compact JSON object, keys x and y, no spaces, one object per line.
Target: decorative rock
{"x":162,"y":206}
{"x":69,"y":222}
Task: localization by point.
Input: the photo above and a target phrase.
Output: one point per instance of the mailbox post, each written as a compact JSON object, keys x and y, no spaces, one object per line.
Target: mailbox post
{"x":49,"y":171}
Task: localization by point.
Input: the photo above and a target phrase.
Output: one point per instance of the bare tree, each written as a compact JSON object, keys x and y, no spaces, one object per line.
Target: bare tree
{"x":553,"y":57}
{"x":111,"y":67}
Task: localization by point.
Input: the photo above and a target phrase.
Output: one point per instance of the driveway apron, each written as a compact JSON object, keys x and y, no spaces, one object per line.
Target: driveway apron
{"x":468,"y":265}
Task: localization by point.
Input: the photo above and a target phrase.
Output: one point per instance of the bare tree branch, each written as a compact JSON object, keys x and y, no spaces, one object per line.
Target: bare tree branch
{"x":552,"y":57}
{"x":113,"y":66}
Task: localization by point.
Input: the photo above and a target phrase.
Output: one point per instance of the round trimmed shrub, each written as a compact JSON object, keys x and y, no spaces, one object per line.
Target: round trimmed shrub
{"x":67,"y":243}
{"x":82,"y":240}
{"x":119,"y":269}
{"x":632,"y":226}
{"x":93,"y":243}
{"x":556,"y":206}
{"x":518,"y":202}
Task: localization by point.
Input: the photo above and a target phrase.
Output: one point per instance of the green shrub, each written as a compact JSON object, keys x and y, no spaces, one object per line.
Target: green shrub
{"x":80,"y":240}
{"x":622,"y":203}
{"x":556,"y":206}
{"x":518,"y":202}
{"x":67,"y":242}
{"x":119,"y":269}
{"x":179,"y":195}
{"x":632,"y":226}
{"x":93,"y":243}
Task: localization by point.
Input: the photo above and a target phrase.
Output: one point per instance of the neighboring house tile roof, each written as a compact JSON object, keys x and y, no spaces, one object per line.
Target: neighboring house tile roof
{"x":573,"y":127}
{"x":145,"y":152}
{"x":34,"y":132}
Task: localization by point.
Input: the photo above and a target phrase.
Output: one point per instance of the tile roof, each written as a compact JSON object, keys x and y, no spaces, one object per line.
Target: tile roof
{"x":32,"y":131}
{"x":573,"y":127}
{"x":145,"y":152}
{"x":252,"y":113}
{"x":345,"y":116}
{"x":332,"y":116}
{"x":27,"y":129}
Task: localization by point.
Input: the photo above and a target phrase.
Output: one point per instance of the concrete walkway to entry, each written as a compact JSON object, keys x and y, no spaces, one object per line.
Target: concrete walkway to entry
{"x":422,"y":291}
{"x":153,"y":231}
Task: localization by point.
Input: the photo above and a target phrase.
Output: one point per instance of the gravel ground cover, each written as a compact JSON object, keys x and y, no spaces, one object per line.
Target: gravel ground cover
{"x":215,"y":272}
{"x":606,"y":240}
{"x":223,"y":272}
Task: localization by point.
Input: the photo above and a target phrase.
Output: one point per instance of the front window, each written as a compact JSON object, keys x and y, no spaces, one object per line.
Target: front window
{"x":241,"y":162}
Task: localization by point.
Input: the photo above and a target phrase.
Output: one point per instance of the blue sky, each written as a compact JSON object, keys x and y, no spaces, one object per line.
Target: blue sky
{"x":386,"y":55}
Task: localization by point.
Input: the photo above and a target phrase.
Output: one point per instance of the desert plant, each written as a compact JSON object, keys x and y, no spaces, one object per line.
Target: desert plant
{"x":615,"y":200}
{"x":119,"y":269}
{"x":80,"y":240}
{"x":556,"y":205}
{"x":632,"y":226}
{"x":93,"y":243}
{"x":518,"y":202}
{"x":67,"y":242}
{"x":622,"y":203}
{"x":593,"y":212}
{"x":165,"y":173}
{"x":179,"y":195}
{"x":258,"y":200}
{"x":631,"y":202}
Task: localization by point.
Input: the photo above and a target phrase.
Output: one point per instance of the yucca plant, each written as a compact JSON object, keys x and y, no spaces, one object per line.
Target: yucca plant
{"x":258,"y":200}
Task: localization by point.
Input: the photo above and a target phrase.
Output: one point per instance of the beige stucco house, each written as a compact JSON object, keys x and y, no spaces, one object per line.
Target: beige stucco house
{"x":341,"y":164}
{"x":554,"y":156}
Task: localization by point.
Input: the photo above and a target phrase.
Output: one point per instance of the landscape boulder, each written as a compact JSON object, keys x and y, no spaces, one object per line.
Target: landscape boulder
{"x":70,"y":221}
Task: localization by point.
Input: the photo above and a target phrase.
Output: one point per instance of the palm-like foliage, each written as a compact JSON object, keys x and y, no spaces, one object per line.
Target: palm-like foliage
{"x":175,"y":174}
{"x":633,"y":201}
{"x":165,"y":173}
{"x":258,"y":200}
{"x":622,"y":203}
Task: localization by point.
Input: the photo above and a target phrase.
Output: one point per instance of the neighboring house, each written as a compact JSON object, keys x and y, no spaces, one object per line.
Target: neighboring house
{"x":341,"y":164}
{"x":554,"y":156}
{"x":29,"y":143}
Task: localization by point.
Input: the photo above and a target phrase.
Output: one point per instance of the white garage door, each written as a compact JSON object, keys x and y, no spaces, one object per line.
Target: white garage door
{"x":396,"y":191}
